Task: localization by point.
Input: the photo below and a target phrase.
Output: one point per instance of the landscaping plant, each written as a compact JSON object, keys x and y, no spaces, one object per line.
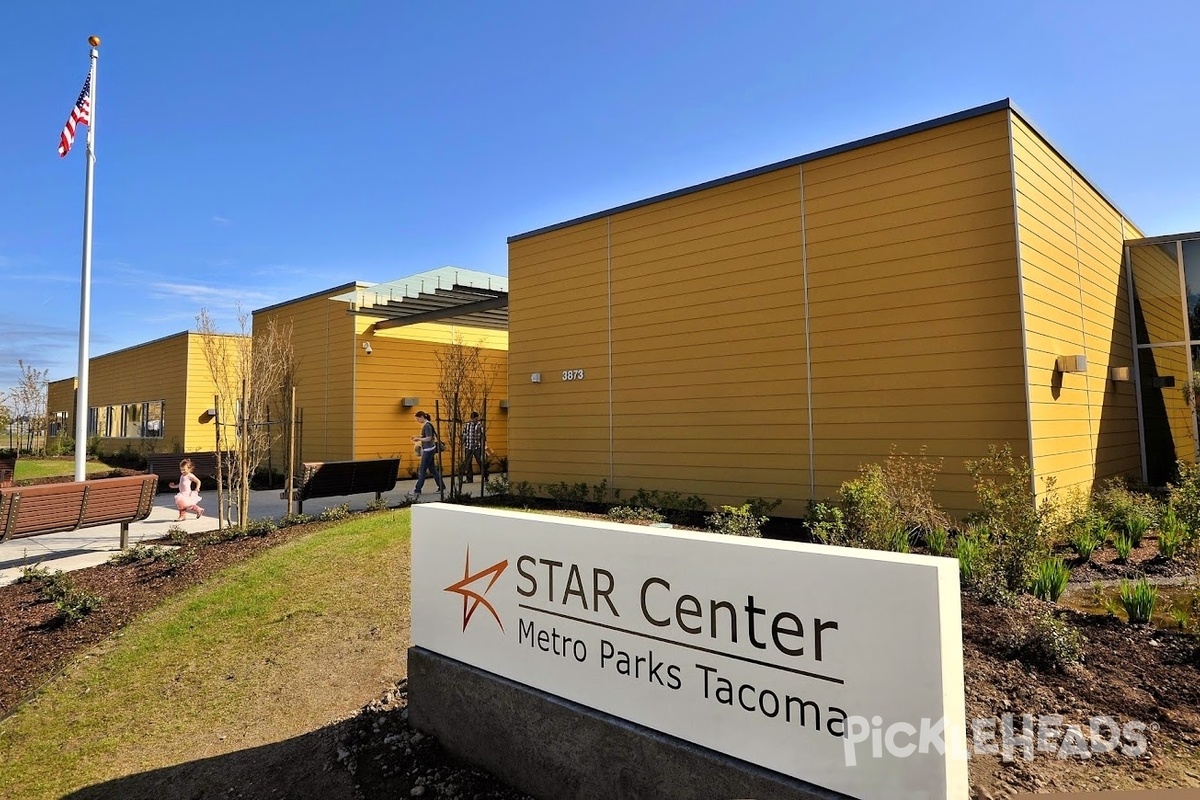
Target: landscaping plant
{"x":1051,"y":580}
{"x":1124,"y":546}
{"x":736,"y":521}
{"x":1138,"y":599}
{"x":937,"y":540}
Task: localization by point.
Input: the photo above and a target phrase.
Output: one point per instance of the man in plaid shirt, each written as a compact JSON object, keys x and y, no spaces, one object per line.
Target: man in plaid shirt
{"x":473,"y":445}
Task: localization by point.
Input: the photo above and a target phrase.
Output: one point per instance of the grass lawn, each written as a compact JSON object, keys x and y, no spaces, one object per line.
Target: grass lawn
{"x":53,"y":467}
{"x":302,"y":634}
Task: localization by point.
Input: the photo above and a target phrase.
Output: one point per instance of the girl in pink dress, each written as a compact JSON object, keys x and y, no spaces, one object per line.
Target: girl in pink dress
{"x":188,"y":498}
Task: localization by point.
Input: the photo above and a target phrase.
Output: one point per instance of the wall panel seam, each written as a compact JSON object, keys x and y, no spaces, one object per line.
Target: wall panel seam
{"x":608,"y":272}
{"x":1087,"y":377}
{"x":1021,"y":297}
{"x":812,"y":471}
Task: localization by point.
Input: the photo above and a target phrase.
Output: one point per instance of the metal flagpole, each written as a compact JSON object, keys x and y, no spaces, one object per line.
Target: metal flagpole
{"x":85,"y":297}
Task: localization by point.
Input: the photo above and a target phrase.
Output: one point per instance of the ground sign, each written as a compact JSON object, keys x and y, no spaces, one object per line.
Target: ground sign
{"x":839,"y":667}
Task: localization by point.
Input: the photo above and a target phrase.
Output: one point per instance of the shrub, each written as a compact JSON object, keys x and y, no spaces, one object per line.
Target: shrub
{"x":523,"y":491}
{"x":762,"y":507}
{"x":1138,"y":600}
{"x":177,"y":534}
{"x":1126,"y":507}
{"x":1003,"y":484}
{"x":34,"y":574}
{"x":295,"y":519}
{"x":497,"y":486}
{"x":937,"y":540}
{"x":736,"y":521}
{"x":260,"y":527}
{"x":1184,"y":496}
{"x":331,"y":514}
{"x":132,"y":555}
{"x":56,"y":586}
{"x":567,"y":495}
{"x":634,"y":515}
{"x":177,"y":558}
{"x":74,"y":606}
{"x":377,"y":505}
{"x":668,"y":501}
{"x":1051,"y":580}
{"x":827,"y":524}
{"x":1083,"y":542}
{"x":1048,"y":642}
{"x":1124,"y":546}
{"x":870,"y":516}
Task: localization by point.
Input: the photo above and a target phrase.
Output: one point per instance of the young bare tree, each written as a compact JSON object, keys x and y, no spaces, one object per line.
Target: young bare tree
{"x":249,"y":373}
{"x":465,"y":380}
{"x":28,"y":403}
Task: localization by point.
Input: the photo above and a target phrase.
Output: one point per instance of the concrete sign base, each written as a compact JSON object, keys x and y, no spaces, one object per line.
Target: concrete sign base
{"x":555,"y":749}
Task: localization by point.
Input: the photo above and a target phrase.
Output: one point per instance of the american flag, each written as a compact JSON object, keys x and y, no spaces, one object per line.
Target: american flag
{"x":81,"y":114}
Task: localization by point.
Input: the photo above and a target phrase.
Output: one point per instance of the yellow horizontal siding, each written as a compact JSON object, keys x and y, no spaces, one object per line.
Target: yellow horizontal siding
{"x":1083,"y":425}
{"x":325,"y":348}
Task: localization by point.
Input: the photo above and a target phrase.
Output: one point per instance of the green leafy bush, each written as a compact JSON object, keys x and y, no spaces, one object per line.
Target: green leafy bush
{"x":1051,"y":580}
{"x":1004,"y":486}
{"x":1184,"y":497}
{"x":634,"y":515}
{"x":1049,"y":643}
{"x":827,"y":524}
{"x":75,"y":605}
{"x":331,"y":514}
{"x":177,"y":534}
{"x":378,"y":505}
{"x":295,"y":519}
{"x":34,"y":574}
{"x":497,"y":486}
{"x":177,"y":558}
{"x":1138,"y":599}
{"x":133,"y":555}
{"x":736,"y":521}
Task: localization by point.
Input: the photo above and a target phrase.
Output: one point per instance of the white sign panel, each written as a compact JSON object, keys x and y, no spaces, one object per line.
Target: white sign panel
{"x":840,"y":667}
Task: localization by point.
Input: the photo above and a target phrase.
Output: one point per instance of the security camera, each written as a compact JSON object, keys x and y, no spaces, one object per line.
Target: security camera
{"x":367,"y":347}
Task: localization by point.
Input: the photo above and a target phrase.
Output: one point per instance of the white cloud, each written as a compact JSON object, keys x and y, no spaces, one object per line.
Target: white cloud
{"x":221,"y":220}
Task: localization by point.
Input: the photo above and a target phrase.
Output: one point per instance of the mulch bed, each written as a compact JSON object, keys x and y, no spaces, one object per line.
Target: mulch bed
{"x":1127,"y":672}
{"x":35,"y":646}
{"x":1143,"y":560}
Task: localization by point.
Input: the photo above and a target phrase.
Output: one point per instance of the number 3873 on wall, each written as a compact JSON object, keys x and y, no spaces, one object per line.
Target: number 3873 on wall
{"x":572,"y":374}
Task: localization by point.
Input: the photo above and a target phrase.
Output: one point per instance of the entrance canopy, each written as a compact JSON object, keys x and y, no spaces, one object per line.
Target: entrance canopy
{"x":449,"y":295}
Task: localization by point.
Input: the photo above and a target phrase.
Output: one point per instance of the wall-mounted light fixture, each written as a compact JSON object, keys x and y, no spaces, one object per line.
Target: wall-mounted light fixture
{"x":1119,"y":374}
{"x":1163,"y":382}
{"x":504,"y":404}
{"x":367,"y":348}
{"x":536,"y":377}
{"x":1071,"y":364}
{"x":409,"y":402}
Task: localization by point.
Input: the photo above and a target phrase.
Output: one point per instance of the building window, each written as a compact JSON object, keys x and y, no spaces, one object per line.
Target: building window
{"x":143,"y":420}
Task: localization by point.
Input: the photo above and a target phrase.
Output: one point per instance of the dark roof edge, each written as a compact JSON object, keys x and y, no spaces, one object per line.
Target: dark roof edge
{"x":1058,"y":152}
{"x":970,"y":113}
{"x":1170,"y":237}
{"x":345,"y":287}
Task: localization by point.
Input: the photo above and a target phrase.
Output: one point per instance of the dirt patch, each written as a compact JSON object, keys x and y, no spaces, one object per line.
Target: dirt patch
{"x":1143,"y":560}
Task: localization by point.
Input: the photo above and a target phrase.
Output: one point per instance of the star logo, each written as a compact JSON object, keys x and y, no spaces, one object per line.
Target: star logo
{"x":472,"y":599}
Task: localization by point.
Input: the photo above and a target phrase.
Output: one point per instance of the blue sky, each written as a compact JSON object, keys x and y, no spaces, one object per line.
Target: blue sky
{"x":256,"y":152}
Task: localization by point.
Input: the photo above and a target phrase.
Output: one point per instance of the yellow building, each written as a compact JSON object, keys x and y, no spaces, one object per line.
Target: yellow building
{"x":948,"y":286}
{"x":367,"y":358}
{"x":149,"y":398}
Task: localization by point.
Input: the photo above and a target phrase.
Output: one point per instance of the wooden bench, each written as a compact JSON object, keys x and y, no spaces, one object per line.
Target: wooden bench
{"x":8,"y":469}
{"x":57,"y":507}
{"x":166,"y":465}
{"x":341,"y":478}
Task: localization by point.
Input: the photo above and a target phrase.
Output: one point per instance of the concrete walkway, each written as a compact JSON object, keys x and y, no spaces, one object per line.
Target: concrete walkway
{"x":91,"y":546}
